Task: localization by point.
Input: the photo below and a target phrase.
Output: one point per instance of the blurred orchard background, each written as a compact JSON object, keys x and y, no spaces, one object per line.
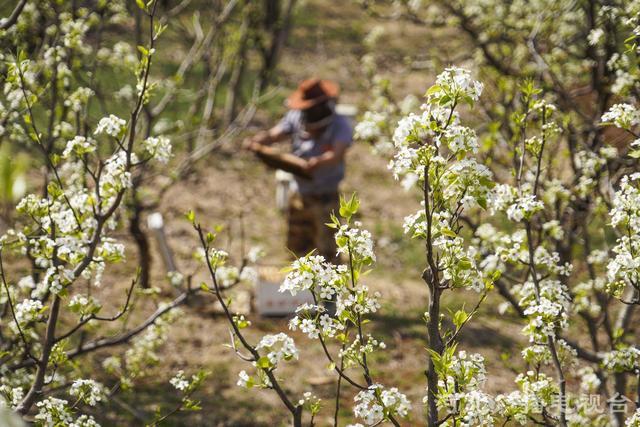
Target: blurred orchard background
{"x":121,"y":125}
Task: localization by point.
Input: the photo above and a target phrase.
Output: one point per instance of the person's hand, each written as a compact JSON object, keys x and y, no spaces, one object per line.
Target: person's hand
{"x":311,"y":164}
{"x":255,"y":142}
{"x":250,"y":144}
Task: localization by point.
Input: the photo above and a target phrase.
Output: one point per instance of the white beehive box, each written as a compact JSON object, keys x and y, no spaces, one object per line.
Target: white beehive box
{"x":269,"y":301}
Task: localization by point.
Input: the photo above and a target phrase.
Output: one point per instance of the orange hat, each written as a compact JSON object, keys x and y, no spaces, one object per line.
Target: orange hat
{"x":312,"y":92}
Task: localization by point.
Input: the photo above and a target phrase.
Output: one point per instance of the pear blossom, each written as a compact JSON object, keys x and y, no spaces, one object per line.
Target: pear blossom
{"x":112,"y":126}
{"x":376,"y":403}
{"x":179,"y":381}
{"x":624,"y":116}
{"x":89,"y":391}
{"x":279,"y":347}
{"x":159,"y":148}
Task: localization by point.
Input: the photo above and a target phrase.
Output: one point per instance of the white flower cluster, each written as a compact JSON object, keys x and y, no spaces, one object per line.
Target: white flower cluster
{"x":468,"y":182}
{"x":116,"y":176}
{"x":27,"y":311}
{"x":73,"y":31}
{"x":309,"y":271}
{"x":10,"y":396}
{"x":159,"y":148}
{"x":524,"y":207}
{"x":501,"y":197}
{"x":476,"y":409}
{"x":255,"y":253}
{"x":624,"y":116}
{"x":589,"y":380}
{"x":244,"y":380}
{"x":122,"y":54}
{"x":278,"y":347}
{"x":537,"y":391}
{"x":624,"y":267}
{"x":456,"y":81}
{"x":547,"y":312}
{"x":457,"y":263}
{"x":376,"y":404}
{"x":216,"y":257}
{"x":89,"y":391}
{"x":355,"y":242}
{"x":179,"y":382}
{"x":314,"y":325}
{"x":79,"y":146}
{"x":590,"y":164}
{"x":459,"y":139}
{"x":418,"y":137}
{"x":595,"y":36}
{"x":53,"y":411}
{"x":56,"y":412}
{"x":404,"y":163}
{"x":370,"y":127}
{"x":416,"y":225}
{"x":539,"y":353}
{"x":412,"y":129}
{"x":359,"y":301}
{"x":353,"y":355}
{"x":584,"y":296}
{"x":111,"y":250}
{"x":550,"y":261}
{"x":553,"y":229}
{"x":622,"y":360}
{"x":467,"y":370}
{"x":626,"y":203}
{"x":228,"y":276}
{"x":84,"y":305}
{"x":633,"y":420}
{"x":78,"y":99}
{"x":462,"y":375}
{"x":112,"y":126}
{"x":175,"y":278}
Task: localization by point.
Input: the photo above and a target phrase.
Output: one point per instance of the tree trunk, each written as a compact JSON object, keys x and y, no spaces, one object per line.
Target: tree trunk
{"x":142,"y":242}
{"x":435,"y":345}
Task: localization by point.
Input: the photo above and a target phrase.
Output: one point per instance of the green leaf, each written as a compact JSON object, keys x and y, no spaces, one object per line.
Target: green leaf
{"x":618,"y":332}
{"x":342,"y":337}
{"x":449,"y":233}
{"x":433,"y":89}
{"x":444,"y":100}
{"x":264,"y":363}
{"x":465,"y":264}
{"x":242,"y":323}
{"x":459,"y":318}
{"x":482,"y":202}
{"x":54,"y":190}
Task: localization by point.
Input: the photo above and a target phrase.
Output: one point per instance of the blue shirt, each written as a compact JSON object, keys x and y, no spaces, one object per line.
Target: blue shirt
{"x":325,"y":178}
